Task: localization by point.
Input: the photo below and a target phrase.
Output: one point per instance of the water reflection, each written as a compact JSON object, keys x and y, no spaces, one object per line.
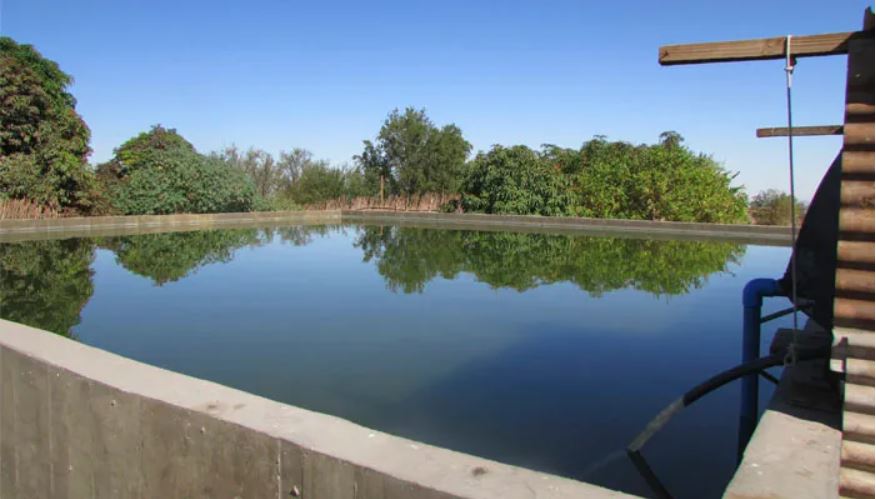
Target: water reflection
{"x":47,"y":283}
{"x":408,"y":258}
{"x":169,"y":257}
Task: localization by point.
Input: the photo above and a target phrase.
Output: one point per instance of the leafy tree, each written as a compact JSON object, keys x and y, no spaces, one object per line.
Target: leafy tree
{"x":160,"y":172}
{"x":515,"y":180}
{"x":171,"y":256}
{"x":318,"y":182}
{"x":773,"y":207}
{"x":665,"y":181}
{"x":564,"y":159}
{"x":414,"y":156}
{"x":43,"y":141}
{"x":374,"y":166}
{"x":258,"y":165}
{"x":271,"y":177}
{"x":46,"y":284}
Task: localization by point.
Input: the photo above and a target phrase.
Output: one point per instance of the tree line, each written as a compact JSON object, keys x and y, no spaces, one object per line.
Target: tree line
{"x":44,"y":160}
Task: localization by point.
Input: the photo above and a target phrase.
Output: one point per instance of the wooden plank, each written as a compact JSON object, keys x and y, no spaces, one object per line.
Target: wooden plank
{"x":859,"y":220}
{"x":860,"y":371}
{"x":759,"y":49}
{"x":859,"y":398}
{"x":859,"y":110}
{"x":858,"y":134}
{"x":861,"y":252}
{"x":860,"y":281}
{"x":854,"y":337}
{"x":850,"y":309}
{"x":858,"y":162}
{"x":857,"y":193}
{"x":858,"y":427}
{"x":800,"y":131}
{"x":857,"y":455}
{"x":855,"y":483}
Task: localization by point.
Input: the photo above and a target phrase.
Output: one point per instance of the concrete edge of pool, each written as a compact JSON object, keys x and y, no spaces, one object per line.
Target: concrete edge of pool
{"x":98,"y":424}
{"x":21,"y":230}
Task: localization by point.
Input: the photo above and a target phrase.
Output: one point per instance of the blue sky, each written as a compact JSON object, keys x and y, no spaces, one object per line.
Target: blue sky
{"x":323,"y":75}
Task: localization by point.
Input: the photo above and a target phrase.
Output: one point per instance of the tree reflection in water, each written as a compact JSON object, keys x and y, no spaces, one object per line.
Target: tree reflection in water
{"x":47,"y":283}
{"x":409,"y":257}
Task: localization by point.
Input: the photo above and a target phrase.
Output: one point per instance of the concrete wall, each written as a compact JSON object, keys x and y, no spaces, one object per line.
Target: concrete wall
{"x":749,"y":234}
{"x":91,"y":226}
{"x":795,"y":450}
{"x":76,"y":421}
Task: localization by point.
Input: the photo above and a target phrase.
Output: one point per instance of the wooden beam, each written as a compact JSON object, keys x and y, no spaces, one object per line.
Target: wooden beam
{"x":759,"y":49}
{"x":800,"y":131}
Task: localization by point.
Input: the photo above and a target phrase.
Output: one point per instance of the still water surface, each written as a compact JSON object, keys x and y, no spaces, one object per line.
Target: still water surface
{"x":545,"y":351}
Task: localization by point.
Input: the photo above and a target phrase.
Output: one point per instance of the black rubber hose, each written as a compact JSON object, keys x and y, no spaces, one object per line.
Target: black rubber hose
{"x":696,"y":393}
{"x":714,"y":383}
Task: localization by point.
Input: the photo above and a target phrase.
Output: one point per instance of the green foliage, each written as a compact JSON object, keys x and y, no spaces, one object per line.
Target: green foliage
{"x":664,"y":181}
{"x":43,"y":141}
{"x":773,"y":207}
{"x":515,"y":180}
{"x":408,"y":258}
{"x":293,"y":180}
{"x":171,"y":256}
{"x":414,"y":156}
{"x":271,"y":177}
{"x":159,"y":172}
{"x":318,"y":182}
{"x":45,"y":284}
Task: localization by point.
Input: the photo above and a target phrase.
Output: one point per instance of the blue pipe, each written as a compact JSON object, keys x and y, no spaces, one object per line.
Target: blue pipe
{"x":752,"y":301}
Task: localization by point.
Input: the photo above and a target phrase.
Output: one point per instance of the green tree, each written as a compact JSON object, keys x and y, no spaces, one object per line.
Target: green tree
{"x":414,"y":156}
{"x":664,"y":181}
{"x":43,"y":141}
{"x":271,"y":177}
{"x":773,"y":207}
{"x":159,"y":172}
{"x":515,"y":180}
{"x":318,"y":182}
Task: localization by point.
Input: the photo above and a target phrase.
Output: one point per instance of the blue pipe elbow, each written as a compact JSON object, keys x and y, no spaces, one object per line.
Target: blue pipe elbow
{"x":756,"y":289}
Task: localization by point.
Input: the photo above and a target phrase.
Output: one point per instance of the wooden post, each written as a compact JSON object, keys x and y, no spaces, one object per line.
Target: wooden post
{"x":801,"y":131}
{"x":760,"y":49}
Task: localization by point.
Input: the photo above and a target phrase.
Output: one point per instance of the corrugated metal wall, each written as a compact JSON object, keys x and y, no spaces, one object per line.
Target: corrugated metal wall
{"x":853,"y":304}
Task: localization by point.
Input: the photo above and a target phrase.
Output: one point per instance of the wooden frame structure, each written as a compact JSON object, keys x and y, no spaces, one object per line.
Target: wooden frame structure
{"x":853,"y":332}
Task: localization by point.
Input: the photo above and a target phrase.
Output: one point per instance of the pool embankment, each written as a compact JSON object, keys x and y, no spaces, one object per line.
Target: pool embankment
{"x":86,"y":226}
{"x":751,"y":234}
{"x":105,"y":225}
{"x":795,"y":451}
{"x":76,"y":421}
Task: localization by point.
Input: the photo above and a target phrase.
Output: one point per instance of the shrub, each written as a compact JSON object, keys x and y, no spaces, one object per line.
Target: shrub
{"x":159,"y":172}
{"x":773,"y":207}
{"x":515,"y":180}
{"x":665,"y":181}
{"x":318,"y":182}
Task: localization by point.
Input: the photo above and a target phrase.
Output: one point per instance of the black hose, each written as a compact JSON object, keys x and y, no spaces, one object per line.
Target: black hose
{"x":696,"y":393}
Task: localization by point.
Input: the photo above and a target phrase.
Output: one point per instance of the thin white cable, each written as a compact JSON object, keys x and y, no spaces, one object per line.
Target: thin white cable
{"x":791,"y":358}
